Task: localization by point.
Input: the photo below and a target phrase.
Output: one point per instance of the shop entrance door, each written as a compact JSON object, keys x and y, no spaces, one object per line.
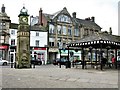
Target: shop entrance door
{"x":41,"y":56}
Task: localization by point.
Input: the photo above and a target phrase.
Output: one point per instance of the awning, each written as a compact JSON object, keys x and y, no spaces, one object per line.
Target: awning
{"x":3,"y":47}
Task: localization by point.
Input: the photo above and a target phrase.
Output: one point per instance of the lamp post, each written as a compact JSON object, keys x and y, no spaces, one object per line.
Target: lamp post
{"x":108,"y":47}
{"x":60,"y":48}
{"x":29,"y":37}
{"x":90,"y":48}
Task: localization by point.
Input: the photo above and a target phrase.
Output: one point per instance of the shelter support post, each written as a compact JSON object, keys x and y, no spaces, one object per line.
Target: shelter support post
{"x":115,"y":58}
{"x":107,"y":55}
{"x":60,"y":58}
{"x":101,"y":62}
{"x":68,"y":63}
{"x":68,"y":54}
{"x":83,"y":59}
{"x":96,"y":58}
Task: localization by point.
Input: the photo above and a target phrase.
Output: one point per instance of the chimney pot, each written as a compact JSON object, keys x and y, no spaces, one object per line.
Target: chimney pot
{"x":93,"y":19}
{"x":40,"y":17}
{"x":3,"y":8}
{"x":88,"y":19}
{"x":74,"y":14}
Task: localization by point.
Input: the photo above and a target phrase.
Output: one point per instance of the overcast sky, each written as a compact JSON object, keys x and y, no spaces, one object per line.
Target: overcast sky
{"x":104,"y":11}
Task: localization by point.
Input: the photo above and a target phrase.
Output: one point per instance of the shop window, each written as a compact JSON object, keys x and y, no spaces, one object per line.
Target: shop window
{"x":11,"y":50}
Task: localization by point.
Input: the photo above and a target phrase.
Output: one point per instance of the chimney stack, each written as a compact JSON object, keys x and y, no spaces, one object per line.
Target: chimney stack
{"x":74,"y":14}
{"x":110,"y":31}
{"x":40,"y":17}
{"x":88,"y":19}
{"x":93,"y":19}
{"x":3,"y":8}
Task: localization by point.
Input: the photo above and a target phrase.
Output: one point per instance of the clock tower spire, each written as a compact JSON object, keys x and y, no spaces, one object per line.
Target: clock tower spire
{"x":23,"y":41}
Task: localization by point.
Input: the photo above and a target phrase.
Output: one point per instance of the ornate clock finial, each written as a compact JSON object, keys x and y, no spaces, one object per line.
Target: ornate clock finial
{"x":3,"y":8}
{"x":23,"y":4}
{"x":23,"y":11}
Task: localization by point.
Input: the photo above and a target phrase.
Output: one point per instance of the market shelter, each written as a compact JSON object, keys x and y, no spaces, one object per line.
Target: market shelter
{"x":99,"y":42}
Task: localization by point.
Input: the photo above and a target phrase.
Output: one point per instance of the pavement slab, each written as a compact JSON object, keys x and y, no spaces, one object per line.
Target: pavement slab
{"x":50,"y":76}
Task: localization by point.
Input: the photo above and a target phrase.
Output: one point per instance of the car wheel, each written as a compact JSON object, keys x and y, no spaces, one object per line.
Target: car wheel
{"x":39,"y":63}
{"x":59,"y":64}
{"x":5,"y":63}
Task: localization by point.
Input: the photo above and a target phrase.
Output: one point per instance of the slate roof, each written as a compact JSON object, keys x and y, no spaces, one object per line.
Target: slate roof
{"x":99,"y":36}
{"x":97,"y":39}
{"x":88,"y":23}
{"x":82,"y":22}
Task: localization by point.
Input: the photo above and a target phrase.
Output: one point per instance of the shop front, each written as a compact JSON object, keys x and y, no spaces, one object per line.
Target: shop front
{"x":4,"y":53}
{"x":39,"y":53}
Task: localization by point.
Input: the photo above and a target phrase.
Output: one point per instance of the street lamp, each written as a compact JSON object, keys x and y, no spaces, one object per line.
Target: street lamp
{"x":108,"y":47}
{"x":90,"y":57}
{"x":29,"y":32}
{"x":60,"y":48}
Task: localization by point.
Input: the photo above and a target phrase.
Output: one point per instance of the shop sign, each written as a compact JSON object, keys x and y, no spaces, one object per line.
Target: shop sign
{"x":3,"y":47}
{"x":53,"y":50}
{"x":39,"y":48}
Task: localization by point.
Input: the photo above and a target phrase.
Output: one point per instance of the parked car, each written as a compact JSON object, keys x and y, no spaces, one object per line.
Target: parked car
{"x":61,"y":61}
{"x":3,"y":62}
{"x":55,"y":62}
{"x":36,"y":61}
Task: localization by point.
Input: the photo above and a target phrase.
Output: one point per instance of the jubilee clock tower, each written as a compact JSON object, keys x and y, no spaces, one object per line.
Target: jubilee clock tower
{"x":23,"y":41}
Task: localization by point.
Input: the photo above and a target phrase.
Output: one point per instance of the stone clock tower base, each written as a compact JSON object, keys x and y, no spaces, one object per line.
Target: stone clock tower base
{"x":23,"y":41}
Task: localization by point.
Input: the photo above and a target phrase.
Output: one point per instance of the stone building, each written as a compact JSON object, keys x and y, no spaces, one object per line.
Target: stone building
{"x":64,"y":28}
{"x":4,"y":33}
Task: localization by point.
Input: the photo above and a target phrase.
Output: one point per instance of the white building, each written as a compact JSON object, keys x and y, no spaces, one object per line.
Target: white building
{"x":38,"y":44}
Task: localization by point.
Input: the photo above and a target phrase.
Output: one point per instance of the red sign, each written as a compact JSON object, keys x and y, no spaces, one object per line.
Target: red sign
{"x":39,"y":48}
{"x":3,"y":47}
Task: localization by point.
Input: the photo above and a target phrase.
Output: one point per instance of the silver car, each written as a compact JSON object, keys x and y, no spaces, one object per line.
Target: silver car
{"x":3,"y":62}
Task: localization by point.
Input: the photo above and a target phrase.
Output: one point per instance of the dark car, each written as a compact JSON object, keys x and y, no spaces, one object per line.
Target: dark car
{"x":36,"y":61}
{"x":61,"y":61}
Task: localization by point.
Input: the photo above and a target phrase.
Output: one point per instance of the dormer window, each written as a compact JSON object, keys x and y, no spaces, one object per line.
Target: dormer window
{"x":64,"y":18}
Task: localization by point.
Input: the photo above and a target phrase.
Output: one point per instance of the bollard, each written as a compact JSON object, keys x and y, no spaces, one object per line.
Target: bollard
{"x":33,"y":65}
{"x":11,"y":65}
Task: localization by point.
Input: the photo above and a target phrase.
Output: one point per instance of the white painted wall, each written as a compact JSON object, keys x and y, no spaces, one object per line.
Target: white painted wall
{"x":42,"y":38}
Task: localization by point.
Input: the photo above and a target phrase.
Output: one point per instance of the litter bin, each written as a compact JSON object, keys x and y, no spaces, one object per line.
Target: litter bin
{"x":68,"y":64}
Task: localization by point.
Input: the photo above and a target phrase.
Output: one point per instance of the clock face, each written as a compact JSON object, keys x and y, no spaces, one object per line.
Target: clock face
{"x":25,"y":19}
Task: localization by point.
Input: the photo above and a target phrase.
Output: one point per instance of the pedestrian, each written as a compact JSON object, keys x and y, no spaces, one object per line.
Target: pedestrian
{"x":113,"y":61}
{"x":89,"y":56}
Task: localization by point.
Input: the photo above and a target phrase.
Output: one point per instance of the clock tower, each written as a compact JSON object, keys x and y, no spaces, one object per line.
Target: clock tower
{"x":23,"y":41}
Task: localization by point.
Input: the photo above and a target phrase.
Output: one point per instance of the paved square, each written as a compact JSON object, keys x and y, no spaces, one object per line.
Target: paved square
{"x":50,"y":76}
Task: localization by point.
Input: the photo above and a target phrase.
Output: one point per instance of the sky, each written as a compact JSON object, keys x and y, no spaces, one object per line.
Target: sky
{"x":104,"y":11}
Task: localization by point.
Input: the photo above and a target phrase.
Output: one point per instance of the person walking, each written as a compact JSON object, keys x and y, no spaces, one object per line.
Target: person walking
{"x":113,"y":61}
